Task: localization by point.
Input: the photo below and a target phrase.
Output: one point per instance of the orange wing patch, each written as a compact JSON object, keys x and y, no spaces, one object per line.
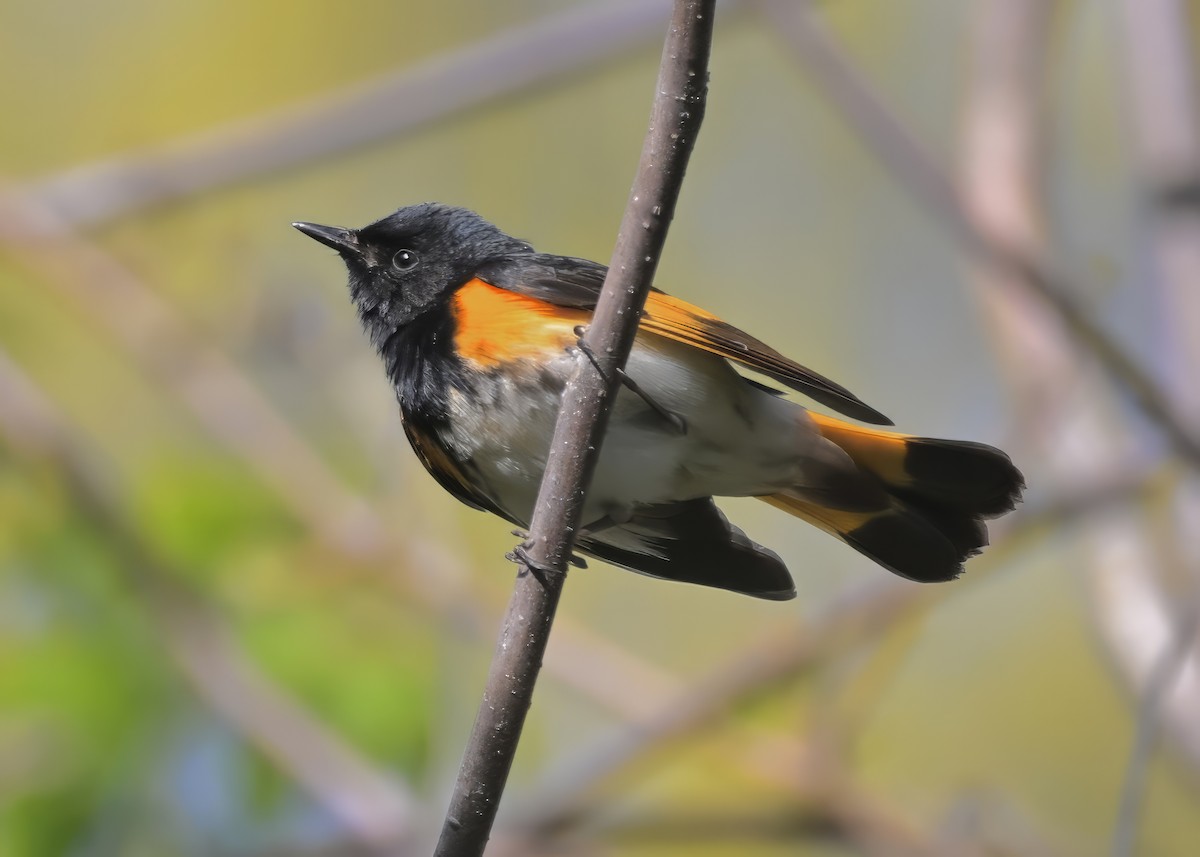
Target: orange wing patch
{"x":496,"y":326}
{"x":679,"y":320}
{"x":666,"y":311}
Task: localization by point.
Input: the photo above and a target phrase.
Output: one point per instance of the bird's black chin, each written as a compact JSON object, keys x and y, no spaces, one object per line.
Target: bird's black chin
{"x":345,"y":241}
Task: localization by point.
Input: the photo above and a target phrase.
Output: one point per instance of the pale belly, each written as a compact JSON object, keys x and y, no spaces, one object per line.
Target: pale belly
{"x":739,"y":440}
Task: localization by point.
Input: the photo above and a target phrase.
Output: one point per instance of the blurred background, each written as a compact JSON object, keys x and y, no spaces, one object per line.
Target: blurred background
{"x":238,"y":619}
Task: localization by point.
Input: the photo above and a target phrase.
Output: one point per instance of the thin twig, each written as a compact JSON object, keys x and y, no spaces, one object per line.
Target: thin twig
{"x":1164,"y":674}
{"x":675,"y":119}
{"x":170,"y":349}
{"x":1165,"y":121}
{"x":543,"y":52}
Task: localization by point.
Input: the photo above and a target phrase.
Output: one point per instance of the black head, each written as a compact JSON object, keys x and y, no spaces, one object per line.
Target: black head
{"x":402,"y":265}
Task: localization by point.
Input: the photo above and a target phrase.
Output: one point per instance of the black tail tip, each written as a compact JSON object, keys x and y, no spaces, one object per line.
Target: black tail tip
{"x":922,"y":540}
{"x":973,"y":477}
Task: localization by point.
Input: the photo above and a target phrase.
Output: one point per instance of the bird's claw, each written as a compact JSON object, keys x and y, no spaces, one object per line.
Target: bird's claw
{"x":540,"y":570}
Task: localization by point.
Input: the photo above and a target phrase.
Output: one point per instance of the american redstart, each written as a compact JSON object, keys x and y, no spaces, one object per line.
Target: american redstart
{"x":476,"y":331}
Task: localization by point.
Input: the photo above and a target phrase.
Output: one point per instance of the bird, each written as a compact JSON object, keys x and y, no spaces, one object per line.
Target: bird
{"x":479,"y":333}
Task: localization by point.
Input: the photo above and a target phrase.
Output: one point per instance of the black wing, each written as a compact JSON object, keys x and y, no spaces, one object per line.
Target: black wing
{"x":694,"y":543}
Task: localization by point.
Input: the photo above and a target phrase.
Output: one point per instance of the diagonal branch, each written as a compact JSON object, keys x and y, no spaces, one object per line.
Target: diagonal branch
{"x":674,"y":122}
{"x":388,"y":107}
{"x":916,"y":170}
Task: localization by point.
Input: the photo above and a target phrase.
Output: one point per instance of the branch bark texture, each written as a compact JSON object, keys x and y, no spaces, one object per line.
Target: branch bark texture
{"x":675,"y":119}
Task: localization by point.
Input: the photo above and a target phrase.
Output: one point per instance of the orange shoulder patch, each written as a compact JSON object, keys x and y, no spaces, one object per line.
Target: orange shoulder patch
{"x":495,"y":326}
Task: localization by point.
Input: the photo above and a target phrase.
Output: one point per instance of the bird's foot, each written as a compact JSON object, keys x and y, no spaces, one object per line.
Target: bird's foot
{"x":540,"y":570}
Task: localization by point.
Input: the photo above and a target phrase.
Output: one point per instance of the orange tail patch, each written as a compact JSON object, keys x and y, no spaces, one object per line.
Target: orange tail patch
{"x":833,"y":521}
{"x":879,"y":452}
{"x":940,"y":493}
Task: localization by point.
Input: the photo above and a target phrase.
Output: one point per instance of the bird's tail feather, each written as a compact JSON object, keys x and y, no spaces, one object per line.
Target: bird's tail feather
{"x":939,"y":494}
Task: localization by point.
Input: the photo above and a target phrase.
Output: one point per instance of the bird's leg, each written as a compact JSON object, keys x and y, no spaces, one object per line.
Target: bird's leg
{"x":676,"y":421}
{"x":520,"y":555}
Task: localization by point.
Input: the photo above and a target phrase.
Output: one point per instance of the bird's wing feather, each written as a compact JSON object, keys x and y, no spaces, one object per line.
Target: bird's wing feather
{"x":691,"y":542}
{"x":576,"y":283}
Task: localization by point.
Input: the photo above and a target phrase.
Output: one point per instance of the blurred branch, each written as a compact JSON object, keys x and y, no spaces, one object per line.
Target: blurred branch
{"x":1033,"y":328}
{"x":378,"y":810}
{"x":1161,"y":68}
{"x":992,"y":824}
{"x":1166,"y":125}
{"x":887,"y":138}
{"x":665,"y":713}
{"x":1062,"y":403}
{"x":717,"y":824}
{"x":169,"y":349}
{"x":782,"y":657}
{"x":538,"y":53}
{"x":1158,"y":685}
{"x":675,"y":119}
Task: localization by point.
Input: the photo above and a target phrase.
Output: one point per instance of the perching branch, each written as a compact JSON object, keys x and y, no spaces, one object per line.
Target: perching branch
{"x":674,"y":122}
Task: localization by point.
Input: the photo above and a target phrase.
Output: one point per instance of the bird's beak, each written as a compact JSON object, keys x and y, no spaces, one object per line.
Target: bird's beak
{"x":345,"y":241}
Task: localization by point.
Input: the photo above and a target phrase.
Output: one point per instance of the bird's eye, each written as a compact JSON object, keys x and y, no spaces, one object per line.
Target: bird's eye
{"x":404,"y":260}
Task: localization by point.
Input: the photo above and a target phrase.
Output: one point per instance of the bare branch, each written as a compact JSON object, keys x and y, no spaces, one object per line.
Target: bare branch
{"x":674,"y":122}
{"x":1157,"y":689}
{"x":502,"y":65}
{"x":1155,"y":645}
{"x":173,"y":351}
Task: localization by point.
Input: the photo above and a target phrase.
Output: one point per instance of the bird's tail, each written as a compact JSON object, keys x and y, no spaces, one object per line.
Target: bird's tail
{"x":939,"y":493}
